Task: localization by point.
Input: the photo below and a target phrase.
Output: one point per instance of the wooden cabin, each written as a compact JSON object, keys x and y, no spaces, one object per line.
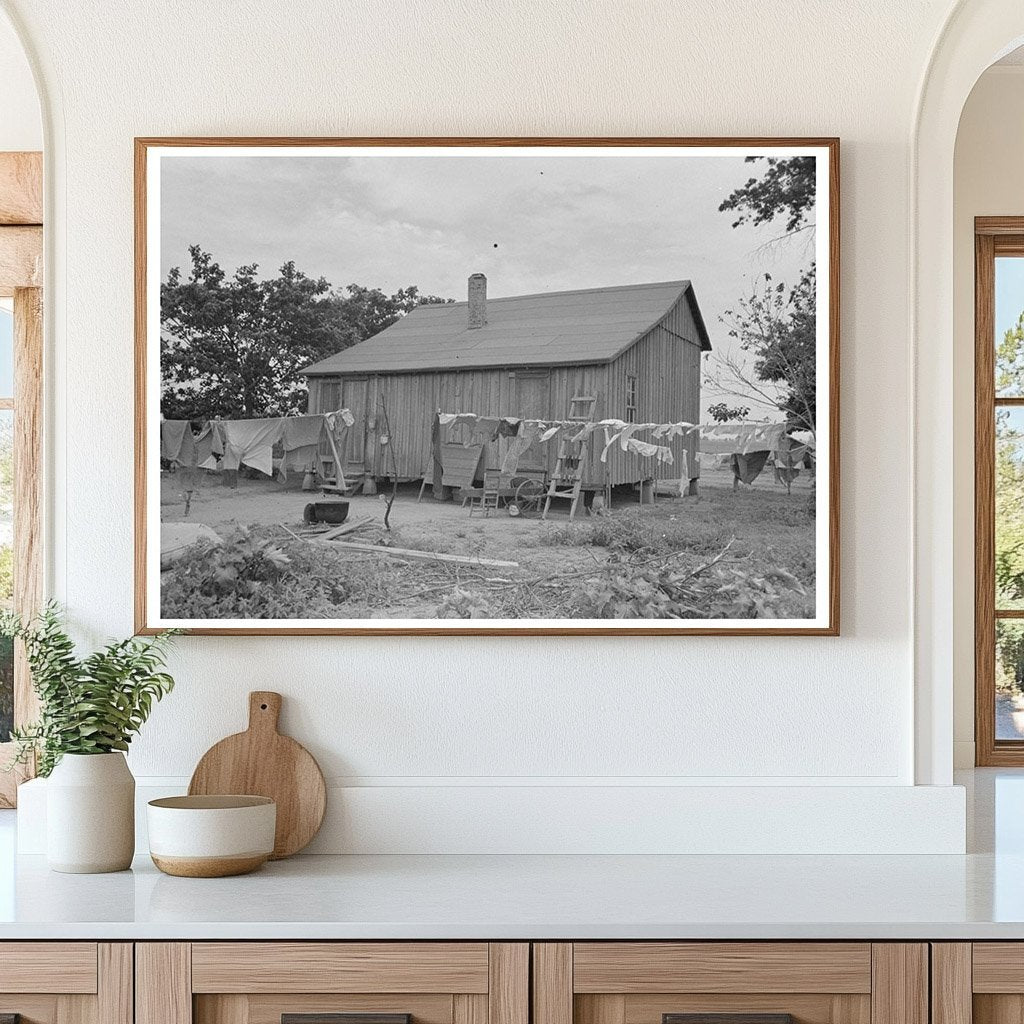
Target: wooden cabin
{"x":636,"y":348}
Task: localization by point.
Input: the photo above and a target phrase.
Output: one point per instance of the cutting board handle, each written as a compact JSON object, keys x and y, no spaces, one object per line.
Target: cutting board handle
{"x":264,"y":710}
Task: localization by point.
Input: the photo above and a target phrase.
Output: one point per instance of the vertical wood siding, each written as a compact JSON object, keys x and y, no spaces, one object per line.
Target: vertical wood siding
{"x":666,"y":362}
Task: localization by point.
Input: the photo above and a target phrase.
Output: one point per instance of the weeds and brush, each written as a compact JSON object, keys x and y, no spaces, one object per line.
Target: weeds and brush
{"x":622,"y":588}
{"x":640,"y":566}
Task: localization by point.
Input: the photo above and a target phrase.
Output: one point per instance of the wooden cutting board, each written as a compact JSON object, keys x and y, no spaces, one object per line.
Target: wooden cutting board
{"x":262,"y":762}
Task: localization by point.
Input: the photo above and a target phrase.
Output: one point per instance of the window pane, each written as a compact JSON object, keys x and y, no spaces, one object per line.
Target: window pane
{"x":1009,"y":679}
{"x":1009,"y":322}
{"x":6,"y":564}
{"x":1009,"y":532}
{"x":6,"y":353}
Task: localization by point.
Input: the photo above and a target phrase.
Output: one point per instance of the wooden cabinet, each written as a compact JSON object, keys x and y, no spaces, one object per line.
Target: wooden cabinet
{"x":309,"y":982}
{"x":753,"y":982}
{"x":66,"y":982}
{"x":978,"y":983}
{"x":494,"y":983}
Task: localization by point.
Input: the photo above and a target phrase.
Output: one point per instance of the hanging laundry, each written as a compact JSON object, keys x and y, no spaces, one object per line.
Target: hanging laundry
{"x":340,"y":415}
{"x":302,"y":432}
{"x":484,"y":431}
{"x":251,"y":443}
{"x":673,"y":430}
{"x":747,"y":466}
{"x":300,"y":439}
{"x":177,"y":443}
{"x":529,"y":432}
{"x":508,"y":426}
{"x":209,"y":445}
{"x":740,"y":438}
{"x":650,"y":451}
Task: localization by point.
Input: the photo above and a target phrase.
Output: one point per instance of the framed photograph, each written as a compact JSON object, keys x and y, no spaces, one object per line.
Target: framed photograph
{"x":500,"y":386}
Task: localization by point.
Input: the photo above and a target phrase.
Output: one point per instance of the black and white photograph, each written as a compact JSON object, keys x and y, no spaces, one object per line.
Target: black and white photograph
{"x":452,"y":386}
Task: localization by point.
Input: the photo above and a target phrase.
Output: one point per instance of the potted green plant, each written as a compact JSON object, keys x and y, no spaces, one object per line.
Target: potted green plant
{"x":90,"y":708}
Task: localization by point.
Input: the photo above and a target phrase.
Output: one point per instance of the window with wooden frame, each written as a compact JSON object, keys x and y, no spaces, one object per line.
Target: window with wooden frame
{"x":21,"y":366}
{"x":999,"y":490}
{"x":631,"y":398}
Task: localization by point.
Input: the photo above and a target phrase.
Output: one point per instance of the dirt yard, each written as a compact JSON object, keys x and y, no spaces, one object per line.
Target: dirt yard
{"x":723,"y":554}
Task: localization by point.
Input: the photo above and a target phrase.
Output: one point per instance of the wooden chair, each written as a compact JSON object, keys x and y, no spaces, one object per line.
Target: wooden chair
{"x":490,"y":494}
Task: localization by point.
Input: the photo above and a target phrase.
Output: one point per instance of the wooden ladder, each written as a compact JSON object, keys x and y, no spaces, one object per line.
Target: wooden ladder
{"x":567,"y":480}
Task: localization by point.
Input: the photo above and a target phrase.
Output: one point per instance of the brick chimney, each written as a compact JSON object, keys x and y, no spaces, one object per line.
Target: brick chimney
{"x":477,"y":300}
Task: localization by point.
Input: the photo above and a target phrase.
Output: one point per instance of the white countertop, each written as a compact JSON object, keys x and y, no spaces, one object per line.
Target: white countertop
{"x":978,"y":896}
{"x":516,"y":897}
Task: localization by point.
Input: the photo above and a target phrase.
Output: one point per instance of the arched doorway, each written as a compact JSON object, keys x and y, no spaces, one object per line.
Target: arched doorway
{"x":21,"y":346}
{"x":977,"y":33}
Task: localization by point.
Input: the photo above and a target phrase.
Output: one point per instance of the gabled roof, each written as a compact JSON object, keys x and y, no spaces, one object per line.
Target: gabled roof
{"x":595,"y":325}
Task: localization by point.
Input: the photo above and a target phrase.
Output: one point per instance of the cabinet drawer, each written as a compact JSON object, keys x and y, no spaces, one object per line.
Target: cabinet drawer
{"x":635,"y":967}
{"x":65,"y":967}
{"x":340,"y":967}
{"x":332,"y":983}
{"x":730,"y":983}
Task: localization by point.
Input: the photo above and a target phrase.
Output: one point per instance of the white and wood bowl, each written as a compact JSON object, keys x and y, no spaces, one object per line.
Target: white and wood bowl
{"x":211,"y":836}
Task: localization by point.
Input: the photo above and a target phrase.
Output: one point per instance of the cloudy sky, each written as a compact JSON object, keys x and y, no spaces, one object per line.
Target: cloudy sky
{"x":531,"y":224}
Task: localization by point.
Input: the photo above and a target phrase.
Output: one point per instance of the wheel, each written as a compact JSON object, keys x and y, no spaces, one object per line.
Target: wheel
{"x":529,"y":497}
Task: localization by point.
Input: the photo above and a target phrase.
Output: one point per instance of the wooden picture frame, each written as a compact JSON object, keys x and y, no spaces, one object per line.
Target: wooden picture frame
{"x":151,"y":151}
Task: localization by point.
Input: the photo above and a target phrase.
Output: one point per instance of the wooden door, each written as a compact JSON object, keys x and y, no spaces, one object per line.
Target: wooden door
{"x":332,"y":983}
{"x":533,"y":402}
{"x":354,"y":398}
{"x":730,"y":983}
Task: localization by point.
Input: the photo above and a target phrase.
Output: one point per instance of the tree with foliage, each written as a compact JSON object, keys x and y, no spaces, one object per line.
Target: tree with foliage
{"x":1009,"y":507}
{"x":787,"y":188}
{"x":720,"y":412}
{"x":235,"y":347}
{"x":1010,"y":361}
{"x":776,"y":325}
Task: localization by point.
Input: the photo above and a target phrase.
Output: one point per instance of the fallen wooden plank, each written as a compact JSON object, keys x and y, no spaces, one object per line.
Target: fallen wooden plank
{"x":426,"y":556}
{"x":351,"y":527}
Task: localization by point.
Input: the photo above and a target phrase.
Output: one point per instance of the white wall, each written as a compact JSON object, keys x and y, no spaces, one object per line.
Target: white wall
{"x":21,"y":127}
{"x":428,"y":716}
{"x":987,"y":181}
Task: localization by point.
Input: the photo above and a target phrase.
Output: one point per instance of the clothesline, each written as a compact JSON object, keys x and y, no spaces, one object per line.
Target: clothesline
{"x":228,"y":444}
{"x":715,"y":438}
{"x":527,"y":431}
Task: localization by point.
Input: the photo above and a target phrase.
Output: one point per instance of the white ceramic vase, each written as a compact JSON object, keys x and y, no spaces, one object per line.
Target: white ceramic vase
{"x":90,"y":814}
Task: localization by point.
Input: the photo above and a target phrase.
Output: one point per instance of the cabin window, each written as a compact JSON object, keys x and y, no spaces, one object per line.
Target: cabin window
{"x":631,"y":398}
{"x":329,"y":397}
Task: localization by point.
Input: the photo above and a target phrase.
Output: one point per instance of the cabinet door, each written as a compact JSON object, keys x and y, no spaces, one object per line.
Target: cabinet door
{"x":980,"y":982}
{"x":332,"y":983}
{"x":66,"y":983}
{"x":730,"y":983}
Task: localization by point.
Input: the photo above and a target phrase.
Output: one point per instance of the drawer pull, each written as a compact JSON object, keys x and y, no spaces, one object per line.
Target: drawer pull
{"x":727,"y":1018}
{"x":340,"y":1018}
